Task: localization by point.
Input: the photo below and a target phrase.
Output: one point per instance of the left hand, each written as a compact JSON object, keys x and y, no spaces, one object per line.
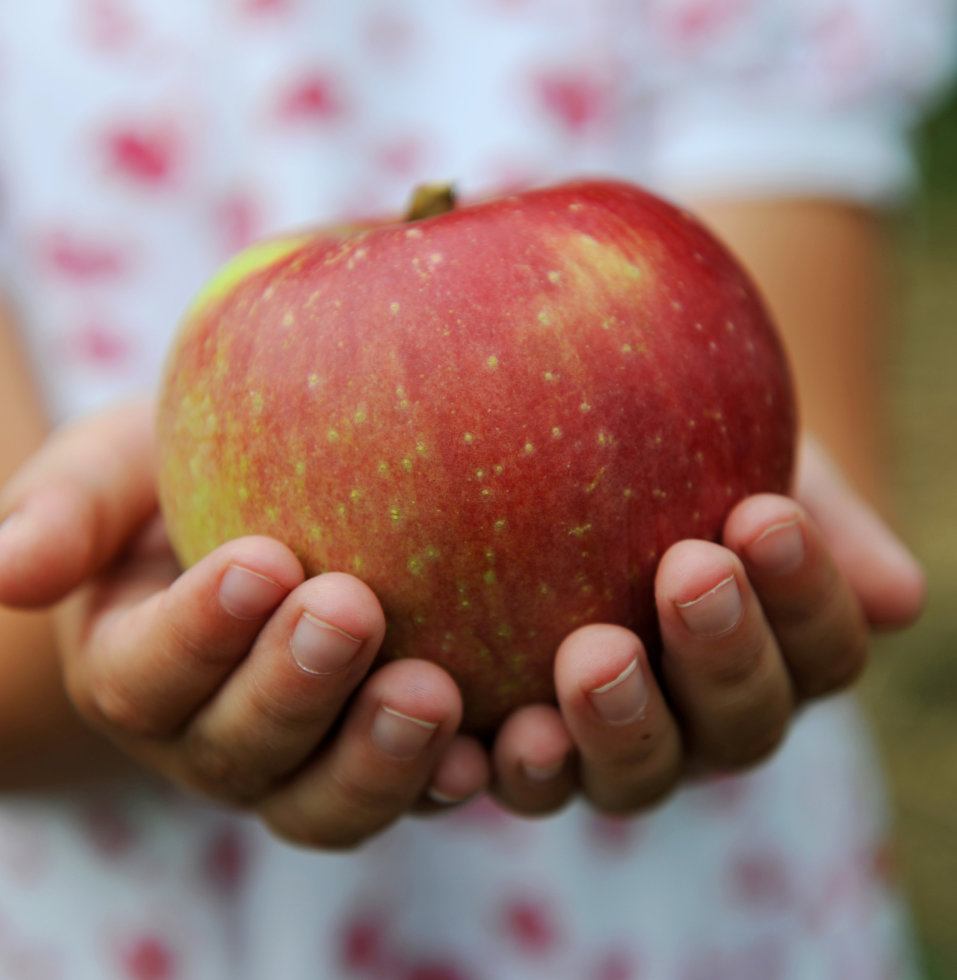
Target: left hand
{"x":777,"y":614}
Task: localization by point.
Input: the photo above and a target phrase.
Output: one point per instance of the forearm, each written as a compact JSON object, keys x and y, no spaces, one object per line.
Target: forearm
{"x":42,"y":741}
{"x":823,"y":268}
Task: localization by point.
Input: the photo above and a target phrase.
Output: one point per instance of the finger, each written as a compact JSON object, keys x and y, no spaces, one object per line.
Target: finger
{"x":146,"y":667}
{"x":533,"y":761}
{"x":629,"y":746}
{"x":379,"y":763}
{"x":720,"y":661}
{"x":884,"y":575}
{"x":462,"y":772}
{"x":72,"y":507}
{"x":814,"y":613}
{"x":287,"y":693}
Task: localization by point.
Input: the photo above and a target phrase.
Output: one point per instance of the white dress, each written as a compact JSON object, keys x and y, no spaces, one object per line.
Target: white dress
{"x":141,"y":143}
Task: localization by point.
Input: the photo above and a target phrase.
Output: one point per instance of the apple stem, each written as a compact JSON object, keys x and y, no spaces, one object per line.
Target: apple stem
{"x":429,"y":200}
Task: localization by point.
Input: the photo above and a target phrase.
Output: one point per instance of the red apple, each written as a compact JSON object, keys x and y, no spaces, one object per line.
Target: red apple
{"x":498,"y":417}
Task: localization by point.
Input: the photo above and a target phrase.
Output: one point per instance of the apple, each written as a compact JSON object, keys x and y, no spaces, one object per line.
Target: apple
{"x":499,"y":417}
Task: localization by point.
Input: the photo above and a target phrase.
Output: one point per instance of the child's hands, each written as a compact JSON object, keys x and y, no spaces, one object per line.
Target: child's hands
{"x":779,"y":614}
{"x":197,"y":677}
{"x":232,"y":678}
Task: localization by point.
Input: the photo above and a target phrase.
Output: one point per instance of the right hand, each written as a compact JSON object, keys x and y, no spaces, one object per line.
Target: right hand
{"x":238,"y":678}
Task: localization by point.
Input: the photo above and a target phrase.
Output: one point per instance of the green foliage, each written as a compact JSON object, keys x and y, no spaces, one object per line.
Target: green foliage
{"x":937,"y":146}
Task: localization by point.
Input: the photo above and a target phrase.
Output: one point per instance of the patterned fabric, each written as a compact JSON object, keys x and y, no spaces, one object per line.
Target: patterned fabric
{"x":142,"y":143}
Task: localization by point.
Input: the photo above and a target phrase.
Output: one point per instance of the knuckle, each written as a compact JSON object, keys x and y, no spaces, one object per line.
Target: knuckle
{"x":839,"y":645}
{"x":220,"y":773}
{"x":285,"y":714}
{"x":753,"y":742}
{"x":108,"y":705}
{"x":292,"y":823}
{"x":363,"y":803}
{"x":643,"y":780}
{"x":735,"y":662}
{"x":196,"y":650}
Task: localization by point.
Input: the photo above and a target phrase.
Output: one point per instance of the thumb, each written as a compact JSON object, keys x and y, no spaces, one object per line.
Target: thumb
{"x":75,"y":505}
{"x":885,"y":575}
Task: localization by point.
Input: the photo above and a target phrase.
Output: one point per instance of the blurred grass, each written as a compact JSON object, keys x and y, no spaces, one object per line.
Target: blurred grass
{"x":910,"y":690}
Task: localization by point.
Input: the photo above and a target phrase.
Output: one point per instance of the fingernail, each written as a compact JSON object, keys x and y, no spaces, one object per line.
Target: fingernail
{"x":779,"y":548}
{"x":542,"y":774}
{"x":400,"y":735}
{"x":248,"y":595}
{"x":714,"y":612}
{"x":447,"y":799}
{"x":321,"y":648}
{"x":623,"y":699}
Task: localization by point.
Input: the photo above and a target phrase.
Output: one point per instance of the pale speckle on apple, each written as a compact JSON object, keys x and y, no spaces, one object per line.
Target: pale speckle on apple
{"x":554,"y":276}
{"x":584,"y":407}
{"x":557,"y":432}
{"x":394,"y":307}
{"x":288,"y":320}
{"x":529,"y":449}
{"x":413,"y":233}
{"x":492,"y":362}
{"x":593,"y":486}
{"x":468,"y":438}
{"x":332,"y":435}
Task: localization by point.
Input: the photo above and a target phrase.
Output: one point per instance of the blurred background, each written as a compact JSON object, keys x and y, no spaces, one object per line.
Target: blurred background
{"x":911,"y":687}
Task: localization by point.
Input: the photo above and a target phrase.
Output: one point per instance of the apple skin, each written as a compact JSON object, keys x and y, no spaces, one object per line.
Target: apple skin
{"x":499,"y":418}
